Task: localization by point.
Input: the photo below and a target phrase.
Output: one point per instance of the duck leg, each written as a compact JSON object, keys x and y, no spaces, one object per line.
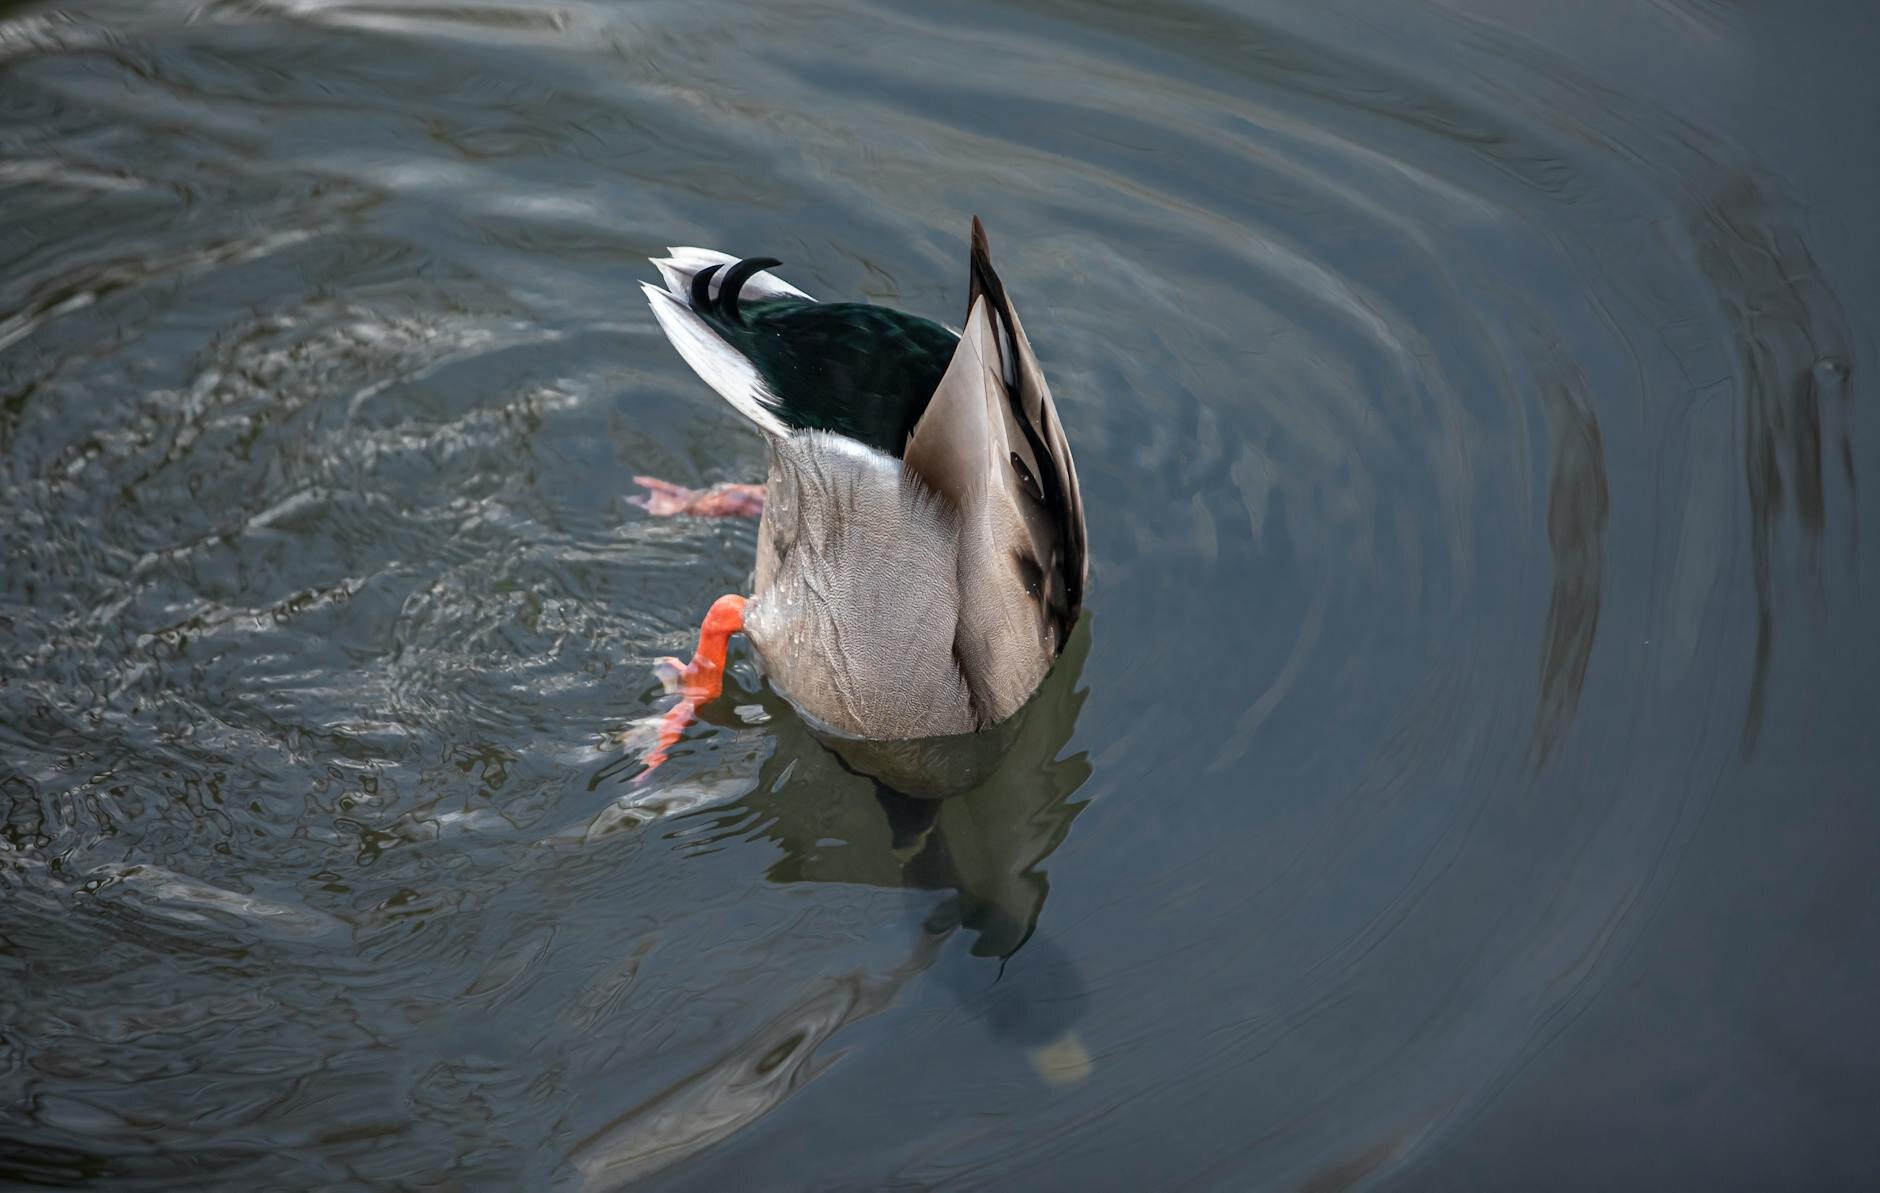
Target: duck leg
{"x":728,"y":500}
{"x":700,"y":681}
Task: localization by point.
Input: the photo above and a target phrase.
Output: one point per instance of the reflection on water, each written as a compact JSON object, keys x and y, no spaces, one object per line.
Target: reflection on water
{"x":755,"y":1075}
{"x":1467,"y":778}
{"x":1793,"y":351}
{"x":983,"y":846}
{"x":986,"y":845}
{"x":1577,"y":505}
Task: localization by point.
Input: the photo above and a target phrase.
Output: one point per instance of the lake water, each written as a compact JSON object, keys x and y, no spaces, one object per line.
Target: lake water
{"x":1465,"y":776}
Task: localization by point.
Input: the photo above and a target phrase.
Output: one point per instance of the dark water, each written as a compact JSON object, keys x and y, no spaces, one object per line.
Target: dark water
{"x":1465,"y":777}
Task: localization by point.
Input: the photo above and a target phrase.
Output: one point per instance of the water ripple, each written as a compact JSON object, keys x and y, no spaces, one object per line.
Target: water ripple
{"x":1464,"y":397}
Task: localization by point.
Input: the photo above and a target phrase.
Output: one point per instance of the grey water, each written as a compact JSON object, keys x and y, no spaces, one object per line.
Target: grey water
{"x":1464,"y":775}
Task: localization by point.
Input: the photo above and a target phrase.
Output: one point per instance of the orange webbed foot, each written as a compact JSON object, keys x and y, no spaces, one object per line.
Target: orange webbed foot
{"x":700,"y":681}
{"x":663,"y":499}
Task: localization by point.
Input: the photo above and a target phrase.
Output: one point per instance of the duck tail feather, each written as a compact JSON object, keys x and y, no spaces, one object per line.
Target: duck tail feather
{"x":682,"y":264}
{"x":717,"y":363}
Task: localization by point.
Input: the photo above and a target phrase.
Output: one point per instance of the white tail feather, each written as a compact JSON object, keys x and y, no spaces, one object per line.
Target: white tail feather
{"x":722,"y":366}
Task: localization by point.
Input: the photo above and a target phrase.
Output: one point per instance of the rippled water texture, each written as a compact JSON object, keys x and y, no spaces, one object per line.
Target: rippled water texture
{"x":1464,"y":777}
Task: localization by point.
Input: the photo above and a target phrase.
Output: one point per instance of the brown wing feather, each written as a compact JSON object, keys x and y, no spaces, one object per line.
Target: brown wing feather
{"x":1046,"y":452}
{"x":990,"y":443}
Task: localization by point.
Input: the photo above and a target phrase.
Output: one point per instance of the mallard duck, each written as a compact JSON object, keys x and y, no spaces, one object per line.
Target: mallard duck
{"x":920,"y":554}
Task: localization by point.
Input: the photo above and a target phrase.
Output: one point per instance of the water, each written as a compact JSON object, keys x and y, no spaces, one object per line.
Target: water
{"x":1464,"y":777}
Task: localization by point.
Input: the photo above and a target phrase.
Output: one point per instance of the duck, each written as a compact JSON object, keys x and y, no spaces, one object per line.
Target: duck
{"x":921,"y":556}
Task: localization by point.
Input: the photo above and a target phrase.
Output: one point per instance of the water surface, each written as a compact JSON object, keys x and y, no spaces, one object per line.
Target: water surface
{"x":1464,"y":776}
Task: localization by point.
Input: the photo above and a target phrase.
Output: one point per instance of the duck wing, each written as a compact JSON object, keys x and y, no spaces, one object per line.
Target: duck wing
{"x":990,"y":442}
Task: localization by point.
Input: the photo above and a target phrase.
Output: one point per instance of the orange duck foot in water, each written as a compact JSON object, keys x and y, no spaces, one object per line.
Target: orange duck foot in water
{"x":700,"y":681}
{"x":728,"y":500}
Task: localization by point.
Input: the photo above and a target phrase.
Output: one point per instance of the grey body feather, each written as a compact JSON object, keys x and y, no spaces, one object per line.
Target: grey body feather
{"x":927,"y":595}
{"x":855,"y":576}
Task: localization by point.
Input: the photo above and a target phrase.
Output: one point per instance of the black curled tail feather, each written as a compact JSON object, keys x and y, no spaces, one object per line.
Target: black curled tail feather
{"x":733,"y":285}
{"x":724,"y":307}
{"x":702,"y":288}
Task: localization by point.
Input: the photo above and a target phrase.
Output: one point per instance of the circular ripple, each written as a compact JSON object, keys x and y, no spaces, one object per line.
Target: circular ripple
{"x":1462,"y":435}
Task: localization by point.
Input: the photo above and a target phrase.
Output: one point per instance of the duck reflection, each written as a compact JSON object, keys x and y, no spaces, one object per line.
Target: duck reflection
{"x":988,"y":812}
{"x":972,"y":818}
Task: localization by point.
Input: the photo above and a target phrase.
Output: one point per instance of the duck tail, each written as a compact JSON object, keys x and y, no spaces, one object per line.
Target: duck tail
{"x":698,"y":302}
